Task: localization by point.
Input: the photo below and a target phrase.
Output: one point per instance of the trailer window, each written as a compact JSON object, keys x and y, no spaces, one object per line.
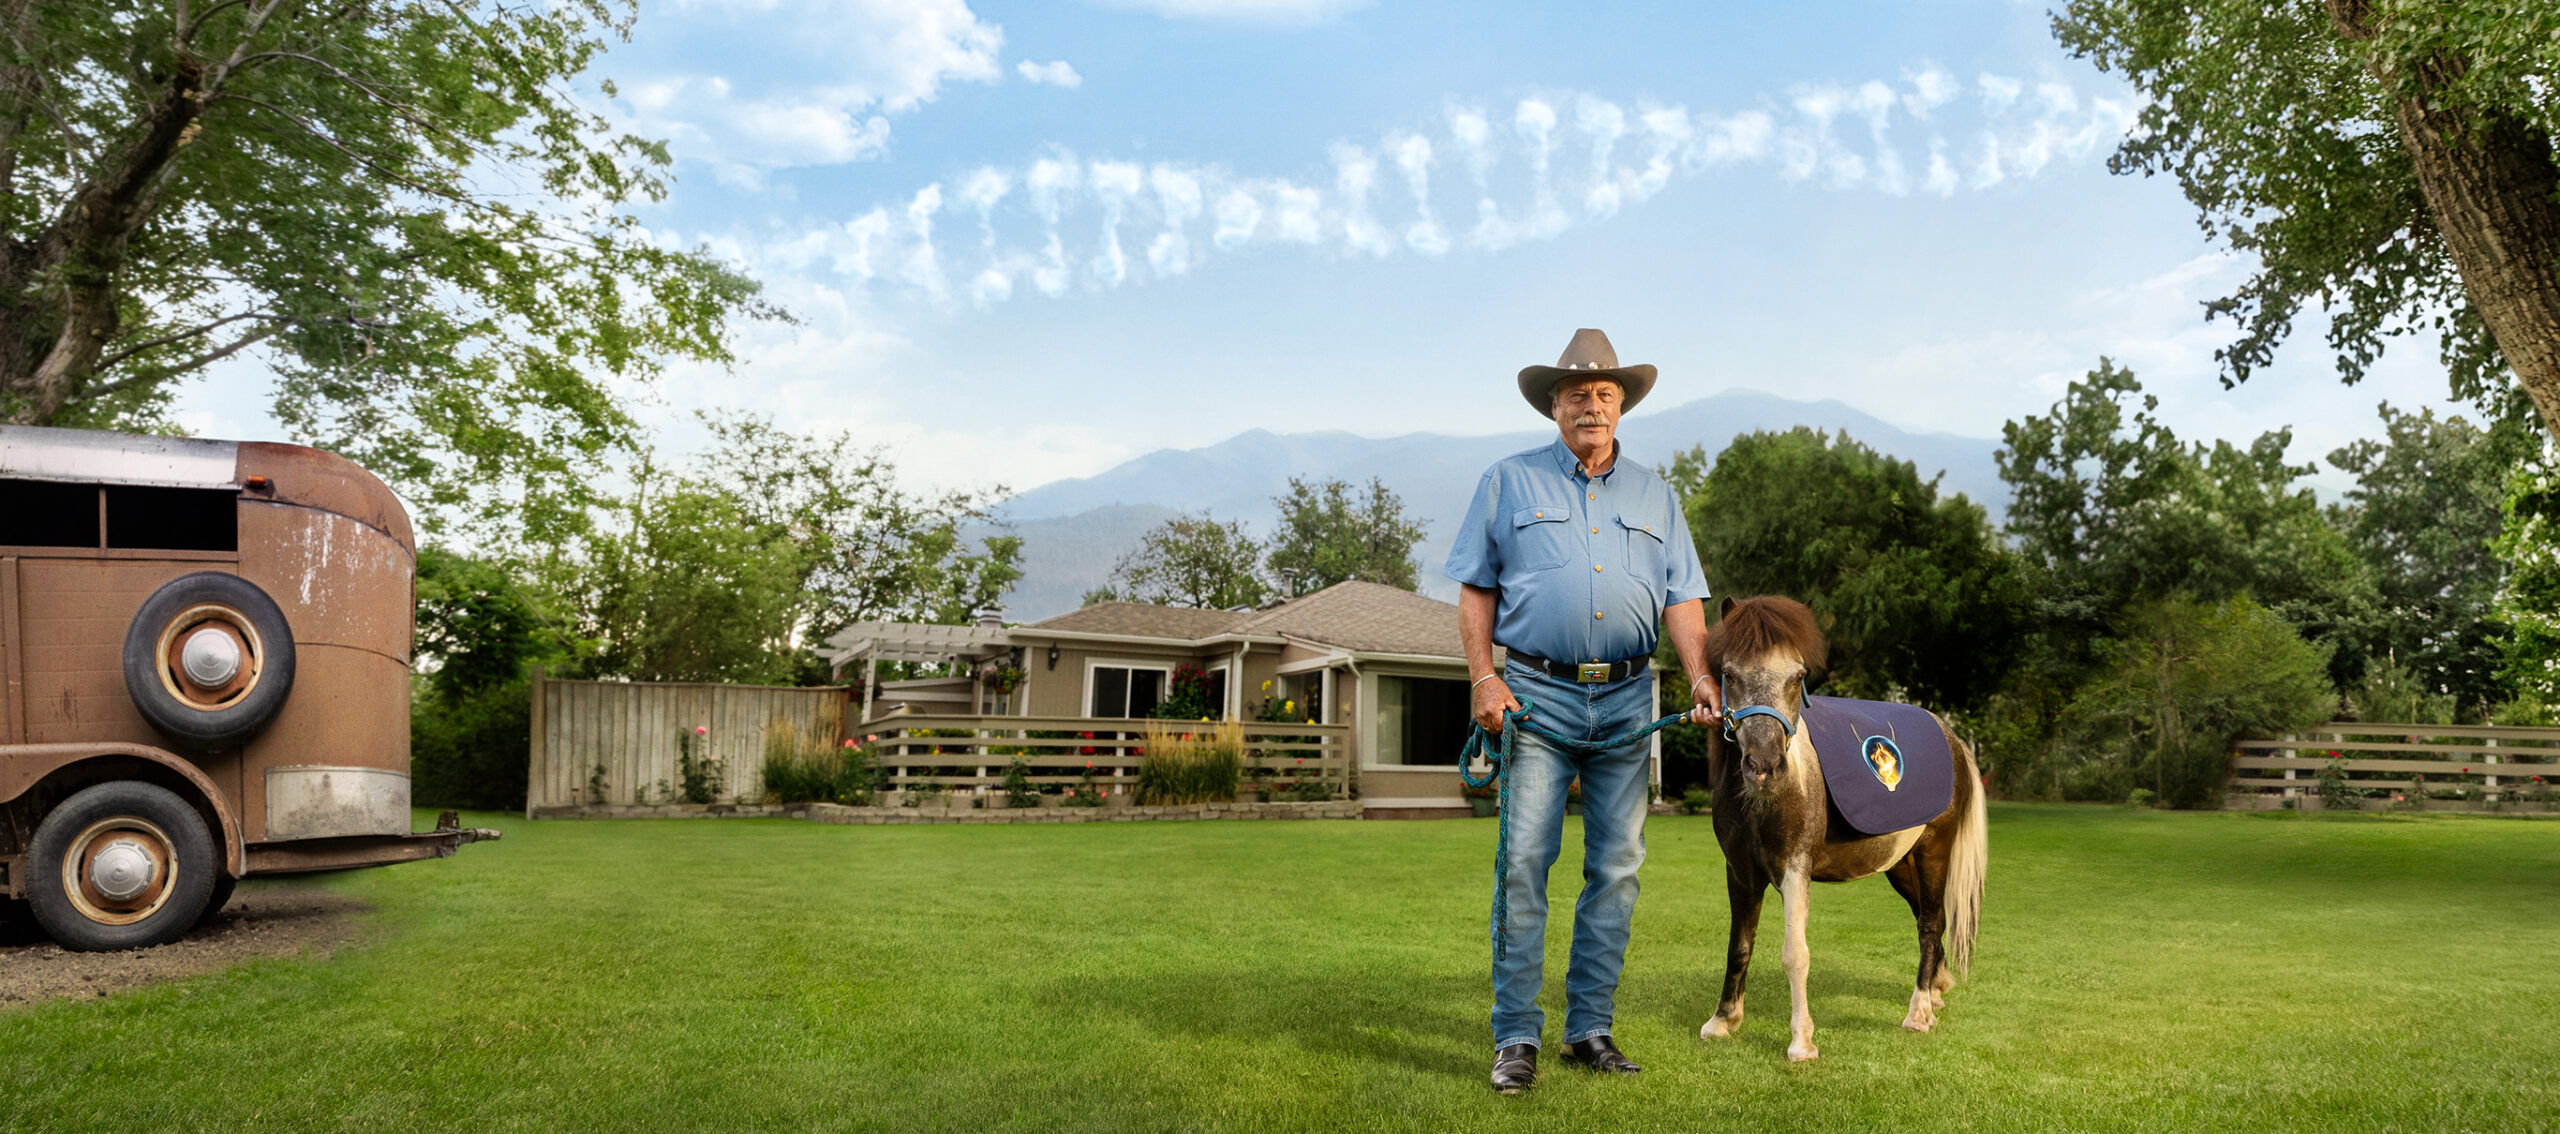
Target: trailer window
{"x":173,"y":519}
{"x":42,"y":513}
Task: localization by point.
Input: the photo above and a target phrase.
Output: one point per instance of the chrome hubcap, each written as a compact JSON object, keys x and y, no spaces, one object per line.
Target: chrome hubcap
{"x":122,"y":870}
{"x":211,"y":658}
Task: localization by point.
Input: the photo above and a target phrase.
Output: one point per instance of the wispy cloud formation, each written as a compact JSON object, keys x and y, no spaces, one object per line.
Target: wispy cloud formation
{"x":1533,"y":170}
{"x":1056,"y":74}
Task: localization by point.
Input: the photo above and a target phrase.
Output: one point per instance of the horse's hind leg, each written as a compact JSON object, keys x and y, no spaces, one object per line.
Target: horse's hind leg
{"x":1925,"y":889}
{"x":1794,"y":888}
{"x":1744,"y":890}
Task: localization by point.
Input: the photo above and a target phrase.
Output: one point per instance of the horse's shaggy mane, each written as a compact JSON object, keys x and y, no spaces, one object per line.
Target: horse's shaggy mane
{"x":1757,"y":627}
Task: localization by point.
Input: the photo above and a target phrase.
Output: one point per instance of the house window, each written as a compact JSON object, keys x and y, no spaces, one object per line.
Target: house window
{"x":1218,"y":692}
{"x":1125,"y":691}
{"x":1421,"y":720}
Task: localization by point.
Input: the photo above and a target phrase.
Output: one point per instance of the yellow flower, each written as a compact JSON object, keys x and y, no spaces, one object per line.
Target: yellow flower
{"x":1266,"y":687}
{"x":1288,"y":706}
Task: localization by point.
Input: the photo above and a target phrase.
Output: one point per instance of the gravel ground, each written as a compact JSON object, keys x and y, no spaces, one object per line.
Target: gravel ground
{"x":262,"y":920}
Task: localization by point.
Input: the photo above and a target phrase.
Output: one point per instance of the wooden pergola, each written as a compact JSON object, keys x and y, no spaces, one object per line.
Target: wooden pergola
{"x":923,"y":643}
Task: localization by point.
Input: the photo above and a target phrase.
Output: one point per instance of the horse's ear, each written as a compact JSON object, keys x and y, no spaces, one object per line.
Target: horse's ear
{"x":1729,"y":603}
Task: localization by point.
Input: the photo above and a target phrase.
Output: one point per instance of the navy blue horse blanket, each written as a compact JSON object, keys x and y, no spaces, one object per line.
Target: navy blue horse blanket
{"x":1886,"y":765}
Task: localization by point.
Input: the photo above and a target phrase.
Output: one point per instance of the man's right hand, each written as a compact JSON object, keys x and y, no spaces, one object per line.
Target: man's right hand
{"x":1493,"y":698}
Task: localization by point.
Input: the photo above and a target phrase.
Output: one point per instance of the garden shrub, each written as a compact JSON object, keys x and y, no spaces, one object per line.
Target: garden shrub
{"x":1190,"y":767}
{"x":798,"y":769}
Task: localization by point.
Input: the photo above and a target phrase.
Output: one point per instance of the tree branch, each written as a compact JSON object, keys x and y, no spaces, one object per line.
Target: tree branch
{"x":180,"y":336}
{"x":387,"y":172}
{"x":199,"y":362}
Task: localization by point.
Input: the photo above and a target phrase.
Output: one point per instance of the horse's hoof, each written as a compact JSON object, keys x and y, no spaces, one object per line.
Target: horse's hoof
{"x":1802,"y":1053}
{"x":1924,"y":1012}
{"x":1718,"y":1028}
{"x":1916,"y":1022}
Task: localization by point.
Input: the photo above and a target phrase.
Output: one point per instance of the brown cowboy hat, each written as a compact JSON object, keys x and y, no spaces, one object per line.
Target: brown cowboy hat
{"x":1589,"y":355}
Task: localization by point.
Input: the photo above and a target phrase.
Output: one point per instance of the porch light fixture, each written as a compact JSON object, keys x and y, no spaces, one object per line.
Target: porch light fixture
{"x":1053,"y":655}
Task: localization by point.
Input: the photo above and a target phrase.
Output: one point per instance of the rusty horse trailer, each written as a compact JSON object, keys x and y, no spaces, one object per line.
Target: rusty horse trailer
{"x":204,"y":677}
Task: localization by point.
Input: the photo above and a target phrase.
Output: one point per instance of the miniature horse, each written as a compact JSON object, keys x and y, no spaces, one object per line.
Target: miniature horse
{"x":1775,"y":820}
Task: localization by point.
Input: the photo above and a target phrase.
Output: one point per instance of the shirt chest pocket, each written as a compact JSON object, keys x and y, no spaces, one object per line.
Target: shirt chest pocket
{"x":1646,"y":548}
{"x":1542,"y":537}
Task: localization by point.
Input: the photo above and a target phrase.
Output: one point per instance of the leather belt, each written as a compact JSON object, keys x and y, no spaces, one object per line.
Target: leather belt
{"x":1585,"y":672}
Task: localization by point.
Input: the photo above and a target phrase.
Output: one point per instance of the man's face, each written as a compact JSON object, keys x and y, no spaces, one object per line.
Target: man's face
{"x":1586,"y":411}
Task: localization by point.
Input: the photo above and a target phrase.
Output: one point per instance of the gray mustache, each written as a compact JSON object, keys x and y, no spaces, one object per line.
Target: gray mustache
{"x":1590,"y":419}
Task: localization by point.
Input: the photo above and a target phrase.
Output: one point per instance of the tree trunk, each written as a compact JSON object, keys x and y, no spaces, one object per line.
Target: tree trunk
{"x":2494,"y":191}
{"x":61,"y":285}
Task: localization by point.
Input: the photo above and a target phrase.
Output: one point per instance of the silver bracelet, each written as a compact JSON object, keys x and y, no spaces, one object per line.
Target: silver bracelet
{"x":1471,"y":686}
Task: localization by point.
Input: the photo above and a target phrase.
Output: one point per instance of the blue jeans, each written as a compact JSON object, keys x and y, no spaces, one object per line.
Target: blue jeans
{"x":1614,"y":797}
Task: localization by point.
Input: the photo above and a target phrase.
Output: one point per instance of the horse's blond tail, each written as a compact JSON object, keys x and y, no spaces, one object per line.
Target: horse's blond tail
{"x":1972,"y":859}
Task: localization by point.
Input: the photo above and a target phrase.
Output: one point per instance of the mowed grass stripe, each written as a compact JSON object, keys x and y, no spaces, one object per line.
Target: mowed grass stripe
{"x":2137,"y":970}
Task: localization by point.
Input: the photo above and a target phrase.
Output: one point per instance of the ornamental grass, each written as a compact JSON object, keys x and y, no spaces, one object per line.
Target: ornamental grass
{"x":1187,"y":762}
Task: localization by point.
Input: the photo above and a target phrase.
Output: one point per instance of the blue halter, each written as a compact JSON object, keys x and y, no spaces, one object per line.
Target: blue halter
{"x":1735,"y":717}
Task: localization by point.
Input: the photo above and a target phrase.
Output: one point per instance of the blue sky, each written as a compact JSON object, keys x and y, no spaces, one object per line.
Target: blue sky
{"x":1030,"y":240}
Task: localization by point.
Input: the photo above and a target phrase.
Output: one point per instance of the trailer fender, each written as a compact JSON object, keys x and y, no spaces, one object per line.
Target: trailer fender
{"x":23,"y":766}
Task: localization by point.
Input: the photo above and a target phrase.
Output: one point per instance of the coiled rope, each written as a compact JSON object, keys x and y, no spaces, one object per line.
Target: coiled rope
{"x":1497,"y":755}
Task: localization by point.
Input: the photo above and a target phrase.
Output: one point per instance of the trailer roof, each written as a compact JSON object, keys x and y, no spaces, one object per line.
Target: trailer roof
{"x":29,"y":452}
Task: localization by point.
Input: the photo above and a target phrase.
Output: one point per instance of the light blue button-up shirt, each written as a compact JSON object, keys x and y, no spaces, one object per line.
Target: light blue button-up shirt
{"x":1585,"y":566}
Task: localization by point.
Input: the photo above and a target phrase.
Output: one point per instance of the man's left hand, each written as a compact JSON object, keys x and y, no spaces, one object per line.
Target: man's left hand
{"x":1708,"y":703}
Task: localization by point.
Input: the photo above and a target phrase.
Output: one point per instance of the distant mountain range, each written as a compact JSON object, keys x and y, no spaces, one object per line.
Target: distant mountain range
{"x":1075,"y":530}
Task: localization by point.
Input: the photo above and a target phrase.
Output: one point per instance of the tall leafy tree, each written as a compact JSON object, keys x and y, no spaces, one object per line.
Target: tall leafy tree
{"x":2423,"y":516}
{"x":2389,"y":160}
{"x":2109,"y":508}
{"x":1192,"y":561}
{"x":1327,"y":535}
{"x":480,"y":626}
{"x":400,"y":206}
{"x":1912,"y":589}
{"x":2529,"y":600}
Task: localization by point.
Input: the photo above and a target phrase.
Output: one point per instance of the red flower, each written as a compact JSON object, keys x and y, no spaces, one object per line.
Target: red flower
{"x":698,"y":730}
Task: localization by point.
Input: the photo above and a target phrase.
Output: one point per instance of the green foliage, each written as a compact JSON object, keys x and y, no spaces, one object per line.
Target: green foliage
{"x":805,"y":770}
{"x":406,"y":209}
{"x":1326,"y":537}
{"x":2109,"y":512}
{"x":1696,"y":801}
{"x":1018,"y":788}
{"x":1085,"y":793}
{"x":2335,"y":795}
{"x":2529,"y":601}
{"x":738,"y":571}
{"x":1191,"y":561}
{"x":2391,"y":694}
{"x":479,"y":630}
{"x":697,"y":773}
{"x":2142,"y":797}
{"x":2422,"y":517}
{"x":1911,"y":589}
{"x":2285,"y":134}
{"x":2187,"y":680}
{"x":1190,"y":767}
{"x":1186,"y":697}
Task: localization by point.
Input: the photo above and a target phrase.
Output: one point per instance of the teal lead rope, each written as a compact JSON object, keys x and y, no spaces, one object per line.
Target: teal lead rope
{"x":1497,"y":757}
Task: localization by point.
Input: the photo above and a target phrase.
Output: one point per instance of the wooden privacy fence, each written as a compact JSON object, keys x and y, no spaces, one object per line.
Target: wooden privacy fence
{"x":972,"y":753}
{"x":625,"y":735}
{"x":2497,"y":763}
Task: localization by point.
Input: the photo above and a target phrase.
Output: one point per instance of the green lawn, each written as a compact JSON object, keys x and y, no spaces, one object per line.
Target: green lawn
{"x":2137,"y":971}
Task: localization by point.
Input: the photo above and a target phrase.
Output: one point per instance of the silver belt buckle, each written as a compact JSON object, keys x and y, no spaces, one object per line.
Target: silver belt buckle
{"x":1588,"y":672}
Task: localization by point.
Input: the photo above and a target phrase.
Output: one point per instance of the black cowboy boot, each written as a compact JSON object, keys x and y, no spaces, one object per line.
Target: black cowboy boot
{"x":1598,"y":1054}
{"x":1515,"y":1068}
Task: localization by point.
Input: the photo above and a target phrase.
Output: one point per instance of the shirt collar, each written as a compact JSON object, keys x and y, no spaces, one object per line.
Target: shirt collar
{"x":1571,"y":466}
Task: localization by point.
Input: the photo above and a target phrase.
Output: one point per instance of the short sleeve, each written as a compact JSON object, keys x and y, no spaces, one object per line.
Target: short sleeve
{"x":1473,"y":558}
{"x":1684,"y":578}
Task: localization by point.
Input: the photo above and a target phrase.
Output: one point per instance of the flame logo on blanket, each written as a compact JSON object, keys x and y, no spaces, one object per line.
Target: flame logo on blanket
{"x":1885,"y":760}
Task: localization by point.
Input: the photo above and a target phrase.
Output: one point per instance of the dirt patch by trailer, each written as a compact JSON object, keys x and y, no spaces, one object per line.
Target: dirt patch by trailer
{"x":260,"y":921}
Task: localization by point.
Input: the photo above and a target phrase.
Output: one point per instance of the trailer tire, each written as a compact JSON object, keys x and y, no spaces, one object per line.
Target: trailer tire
{"x":120,"y":865}
{"x":223,"y":885}
{"x":209,"y":660}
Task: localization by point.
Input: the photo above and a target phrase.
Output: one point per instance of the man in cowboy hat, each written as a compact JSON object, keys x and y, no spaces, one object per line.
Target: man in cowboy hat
{"x":1569,"y":557}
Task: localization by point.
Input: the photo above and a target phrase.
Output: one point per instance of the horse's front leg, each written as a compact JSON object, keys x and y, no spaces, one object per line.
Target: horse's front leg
{"x":1793,"y":889}
{"x":1744,"y":888}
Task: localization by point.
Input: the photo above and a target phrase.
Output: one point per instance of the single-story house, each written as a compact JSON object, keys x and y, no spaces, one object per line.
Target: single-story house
{"x":1385,"y":661}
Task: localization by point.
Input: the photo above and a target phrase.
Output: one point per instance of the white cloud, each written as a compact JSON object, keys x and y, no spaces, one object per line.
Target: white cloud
{"x":833,"y":73}
{"x":1154,"y":220}
{"x":1354,"y":173}
{"x":1281,"y":12}
{"x":1056,"y":74}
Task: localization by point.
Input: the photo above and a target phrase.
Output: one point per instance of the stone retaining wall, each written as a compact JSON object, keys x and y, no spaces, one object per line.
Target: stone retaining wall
{"x":903,"y":816}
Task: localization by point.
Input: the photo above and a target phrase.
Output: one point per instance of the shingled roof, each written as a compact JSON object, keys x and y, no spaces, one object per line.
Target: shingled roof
{"x":1369,"y":618}
{"x":1179,"y":623}
{"x":1361,"y":617}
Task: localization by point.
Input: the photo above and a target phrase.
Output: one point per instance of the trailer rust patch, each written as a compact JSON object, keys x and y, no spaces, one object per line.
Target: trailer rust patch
{"x":262,"y":920}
